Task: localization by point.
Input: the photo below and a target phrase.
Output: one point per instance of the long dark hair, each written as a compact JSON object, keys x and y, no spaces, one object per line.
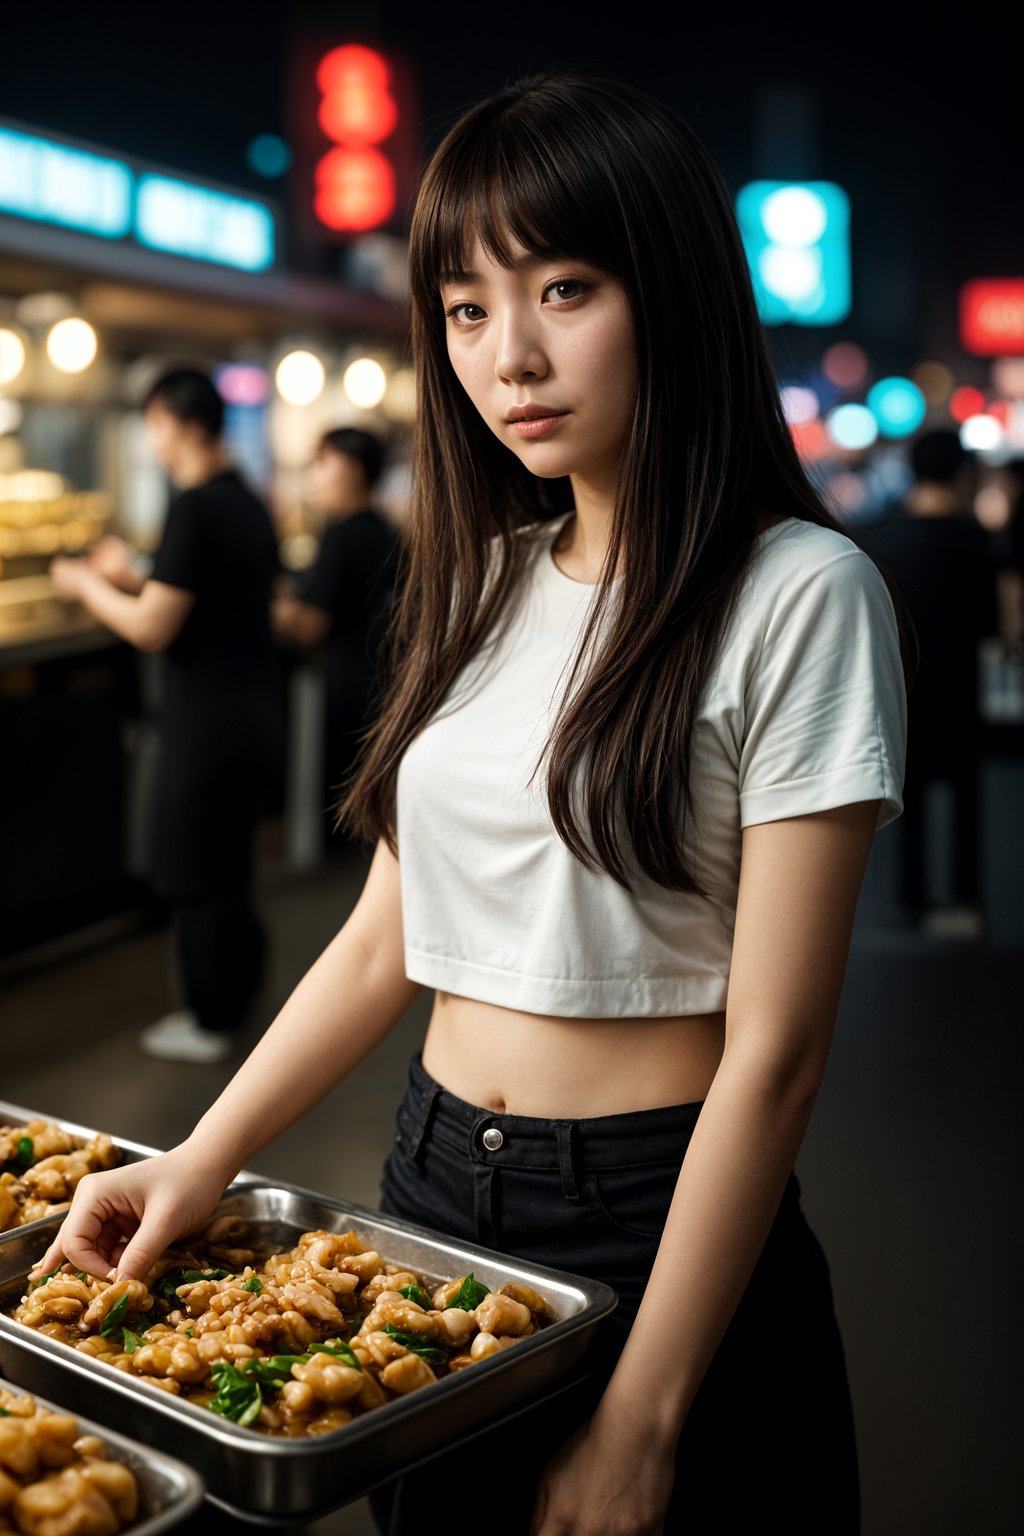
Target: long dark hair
{"x":574,"y":163}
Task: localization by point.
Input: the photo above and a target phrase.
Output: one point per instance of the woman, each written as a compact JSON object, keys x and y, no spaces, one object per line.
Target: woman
{"x":205,"y":606}
{"x":345,"y":598}
{"x":642,"y":956}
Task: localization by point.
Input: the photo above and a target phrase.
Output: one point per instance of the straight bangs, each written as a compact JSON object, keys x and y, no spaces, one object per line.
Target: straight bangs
{"x":511,"y":175}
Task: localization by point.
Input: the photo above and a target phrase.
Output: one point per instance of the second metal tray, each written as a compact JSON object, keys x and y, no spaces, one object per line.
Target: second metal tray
{"x":168,"y":1489}
{"x":279,"y":1480}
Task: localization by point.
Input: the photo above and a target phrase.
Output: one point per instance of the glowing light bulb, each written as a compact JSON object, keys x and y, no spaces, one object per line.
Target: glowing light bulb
{"x":12,"y":356}
{"x":300,"y":378}
{"x":364,"y":381}
{"x":71,"y":345}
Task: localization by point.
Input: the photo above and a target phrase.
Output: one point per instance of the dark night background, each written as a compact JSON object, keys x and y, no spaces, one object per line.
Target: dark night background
{"x":912,"y":1167}
{"x":914,"y":117}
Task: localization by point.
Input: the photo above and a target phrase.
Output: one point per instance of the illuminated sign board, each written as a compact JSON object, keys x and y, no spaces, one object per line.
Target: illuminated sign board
{"x":797,"y":240}
{"x":992,"y":317}
{"x":54,"y":183}
{"x":354,"y":129}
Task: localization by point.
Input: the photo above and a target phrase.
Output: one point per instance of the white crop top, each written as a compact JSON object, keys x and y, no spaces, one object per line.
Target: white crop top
{"x":805,"y":710}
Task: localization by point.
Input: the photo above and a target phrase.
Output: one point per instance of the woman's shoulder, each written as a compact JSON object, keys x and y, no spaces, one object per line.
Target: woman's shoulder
{"x":796,"y":549}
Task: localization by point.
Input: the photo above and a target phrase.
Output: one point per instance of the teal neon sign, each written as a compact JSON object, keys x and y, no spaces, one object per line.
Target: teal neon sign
{"x":797,"y":239}
{"x":59,"y":185}
{"x":54,"y":183}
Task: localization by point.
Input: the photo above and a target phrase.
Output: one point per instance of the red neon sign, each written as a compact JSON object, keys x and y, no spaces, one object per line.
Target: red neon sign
{"x":992,"y":317}
{"x":354,"y":180}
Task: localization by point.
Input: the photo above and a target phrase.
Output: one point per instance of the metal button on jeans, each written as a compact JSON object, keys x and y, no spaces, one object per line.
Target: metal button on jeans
{"x":492,"y":1138}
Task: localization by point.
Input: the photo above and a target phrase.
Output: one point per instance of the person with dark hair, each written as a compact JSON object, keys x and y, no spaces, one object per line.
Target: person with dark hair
{"x":646,"y":712}
{"x":344,"y":599}
{"x":945,"y":563}
{"x":205,"y":605}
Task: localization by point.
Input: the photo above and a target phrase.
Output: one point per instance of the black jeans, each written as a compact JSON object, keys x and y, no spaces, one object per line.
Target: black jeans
{"x":769,"y":1437}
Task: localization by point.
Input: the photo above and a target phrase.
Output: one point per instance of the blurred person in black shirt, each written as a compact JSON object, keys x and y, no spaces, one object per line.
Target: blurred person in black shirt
{"x":944,"y":562}
{"x":205,"y":607}
{"x":343,"y":601}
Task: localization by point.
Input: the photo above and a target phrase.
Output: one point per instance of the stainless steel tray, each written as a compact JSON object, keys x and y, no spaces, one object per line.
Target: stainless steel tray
{"x":131,"y":1151}
{"x":168,"y":1489}
{"x":279,"y":1480}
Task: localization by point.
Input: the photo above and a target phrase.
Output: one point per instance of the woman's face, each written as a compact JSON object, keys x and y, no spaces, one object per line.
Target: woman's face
{"x":335,"y":482}
{"x":551,"y":333}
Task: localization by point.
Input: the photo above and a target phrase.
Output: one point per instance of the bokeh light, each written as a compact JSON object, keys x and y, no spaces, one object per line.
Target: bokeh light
{"x":300,"y":377}
{"x":934,"y":380}
{"x":897,"y":405}
{"x":982,"y":434}
{"x":1008,"y":377}
{"x":12,"y":356}
{"x":966,"y":401}
{"x":268,"y":155}
{"x":810,"y":439}
{"x":364,"y":382}
{"x":799,"y":404}
{"x":845,"y":365}
{"x":71,"y":345}
{"x":852,"y":426}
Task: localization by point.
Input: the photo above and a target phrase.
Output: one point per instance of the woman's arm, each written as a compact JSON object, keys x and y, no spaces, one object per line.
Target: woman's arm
{"x":150,"y":620}
{"x":789,"y":960}
{"x":344,"y":1005}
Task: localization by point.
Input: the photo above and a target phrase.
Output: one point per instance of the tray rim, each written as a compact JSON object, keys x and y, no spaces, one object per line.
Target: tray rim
{"x":191,"y":1487}
{"x":600,"y":1300}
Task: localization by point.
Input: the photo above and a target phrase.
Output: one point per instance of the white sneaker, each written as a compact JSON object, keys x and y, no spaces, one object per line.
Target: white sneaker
{"x":178,"y":1037}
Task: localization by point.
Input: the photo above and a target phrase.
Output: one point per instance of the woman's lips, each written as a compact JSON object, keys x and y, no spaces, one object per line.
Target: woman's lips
{"x":538,"y":426}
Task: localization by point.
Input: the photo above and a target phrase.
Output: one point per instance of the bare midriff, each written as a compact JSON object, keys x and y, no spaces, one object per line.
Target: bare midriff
{"x":569,"y":1068}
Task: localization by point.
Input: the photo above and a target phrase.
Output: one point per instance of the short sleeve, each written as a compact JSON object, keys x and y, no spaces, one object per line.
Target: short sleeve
{"x":825,"y":709}
{"x":181,"y":558}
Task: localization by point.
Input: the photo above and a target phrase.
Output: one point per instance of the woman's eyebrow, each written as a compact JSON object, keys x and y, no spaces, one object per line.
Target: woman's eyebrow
{"x":530,"y":259}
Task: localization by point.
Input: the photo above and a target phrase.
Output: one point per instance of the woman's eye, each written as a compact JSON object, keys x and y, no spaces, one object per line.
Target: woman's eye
{"x":568,"y":282}
{"x":560,"y":282}
{"x":454,"y":309}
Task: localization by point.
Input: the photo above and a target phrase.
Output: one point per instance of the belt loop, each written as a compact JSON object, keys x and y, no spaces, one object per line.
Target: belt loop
{"x":568,"y":1159}
{"x":420,"y":1119}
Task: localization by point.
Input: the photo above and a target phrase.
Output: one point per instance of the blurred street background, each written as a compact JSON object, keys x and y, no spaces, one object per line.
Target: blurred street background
{"x":207,"y":199}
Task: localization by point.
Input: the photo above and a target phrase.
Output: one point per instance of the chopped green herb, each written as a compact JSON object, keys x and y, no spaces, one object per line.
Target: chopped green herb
{"x":337,"y":1347}
{"x":80,"y":1274}
{"x":42,"y":1279}
{"x":254,"y":1284}
{"x":6,"y":1413}
{"x":167,"y":1285}
{"x":132,"y":1341}
{"x":469,"y":1295}
{"x":25,"y":1154}
{"x":143,"y":1321}
{"x":238,"y":1395}
{"x":115,"y":1317}
{"x":414,"y":1344}
{"x":189,"y":1329}
{"x":417,"y":1294}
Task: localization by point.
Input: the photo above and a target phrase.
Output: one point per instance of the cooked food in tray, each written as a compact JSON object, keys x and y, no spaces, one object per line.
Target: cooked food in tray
{"x":291,"y":1342}
{"x":40,"y":1165}
{"x":56,"y":1480}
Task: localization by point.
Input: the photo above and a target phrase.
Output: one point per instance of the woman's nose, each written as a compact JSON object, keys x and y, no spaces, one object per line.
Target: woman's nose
{"x":519,"y":351}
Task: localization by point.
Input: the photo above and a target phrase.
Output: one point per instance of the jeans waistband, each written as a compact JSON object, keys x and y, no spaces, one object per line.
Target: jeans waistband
{"x":630,"y":1138}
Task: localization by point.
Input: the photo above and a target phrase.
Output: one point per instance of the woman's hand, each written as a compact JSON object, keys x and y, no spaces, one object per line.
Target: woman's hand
{"x":607,"y":1479}
{"x":125,"y":1217}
